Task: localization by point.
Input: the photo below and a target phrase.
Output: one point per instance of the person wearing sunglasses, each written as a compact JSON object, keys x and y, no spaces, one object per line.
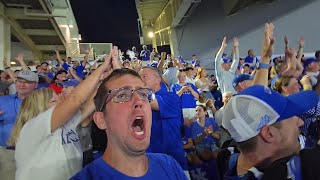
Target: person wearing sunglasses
{"x":123,"y":110}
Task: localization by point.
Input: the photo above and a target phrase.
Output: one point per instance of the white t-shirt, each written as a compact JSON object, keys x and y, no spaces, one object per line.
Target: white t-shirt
{"x":41,"y":154}
{"x":206,"y":88}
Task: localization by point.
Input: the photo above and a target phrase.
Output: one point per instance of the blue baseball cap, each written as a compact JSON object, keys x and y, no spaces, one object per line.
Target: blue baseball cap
{"x":258,"y":106}
{"x":227,"y":60}
{"x":309,"y":61}
{"x":70,"y":82}
{"x":240,"y":78}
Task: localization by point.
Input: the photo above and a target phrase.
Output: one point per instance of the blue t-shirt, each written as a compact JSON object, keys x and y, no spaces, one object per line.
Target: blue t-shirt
{"x":165,"y":130}
{"x":78,"y":69}
{"x":197,"y":130}
{"x":9,"y":105}
{"x":145,"y":55}
{"x":187,"y":99}
{"x":186,"y":135}
{"x":161,"y":167}
{"x":248,"y":59}
{"x":197,"y":63}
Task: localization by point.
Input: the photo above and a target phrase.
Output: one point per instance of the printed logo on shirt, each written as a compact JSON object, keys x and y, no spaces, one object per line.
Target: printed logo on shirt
{"x":69,"y":137}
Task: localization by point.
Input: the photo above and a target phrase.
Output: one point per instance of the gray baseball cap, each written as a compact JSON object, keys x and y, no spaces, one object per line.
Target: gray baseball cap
{"x":28,"y":75}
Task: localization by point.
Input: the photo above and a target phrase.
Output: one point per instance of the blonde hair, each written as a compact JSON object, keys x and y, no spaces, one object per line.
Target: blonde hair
{"x":36,"y":103}
{"x":200,"y":70}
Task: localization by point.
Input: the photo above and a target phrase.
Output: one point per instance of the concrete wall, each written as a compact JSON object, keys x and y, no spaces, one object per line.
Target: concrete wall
{"x":203,"y":32}
{"x":17,"y":47}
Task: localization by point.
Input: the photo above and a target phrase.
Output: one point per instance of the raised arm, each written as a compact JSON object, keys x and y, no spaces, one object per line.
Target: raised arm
{"x":85,"y":58}
{"x":74,"y":74}
{"x":19,"y":58}
{"x":64,"y":111}
{"x":262,"y":74}
{"x":59,"y":57}
{"x":236,"y":56}
{"x":161,"y":61}
{"x":299,"y":68}
{"x":218,"y":60}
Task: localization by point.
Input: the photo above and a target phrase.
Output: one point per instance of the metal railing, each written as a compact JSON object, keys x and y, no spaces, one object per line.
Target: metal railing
{"x":78,"y":50}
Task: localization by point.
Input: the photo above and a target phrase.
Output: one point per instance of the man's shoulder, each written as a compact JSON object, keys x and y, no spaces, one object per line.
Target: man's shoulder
{"x":8,"y":97}
{"x":93,"y":169}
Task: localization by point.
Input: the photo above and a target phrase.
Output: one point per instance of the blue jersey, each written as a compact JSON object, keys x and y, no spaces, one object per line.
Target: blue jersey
{"x":161,"y":167}
{"x":187,"y":99}
{"x":197,"y":130}
{"x":145,"y":55}
{"x":166,"y":123}
{"x":78,"y":69}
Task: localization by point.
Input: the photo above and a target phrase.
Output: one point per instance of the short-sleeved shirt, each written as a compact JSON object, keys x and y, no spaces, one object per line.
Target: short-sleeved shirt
{"x":145,"y":55}
{"x":166,"y":123}
{"x":42,"y":154}
{"x":9,"y":105}
{"x":56,"y":88}
{"x":78,"y":69}
{"x":187,"y":99}
{"x":197,"y":130}
{"x":161,"y":167}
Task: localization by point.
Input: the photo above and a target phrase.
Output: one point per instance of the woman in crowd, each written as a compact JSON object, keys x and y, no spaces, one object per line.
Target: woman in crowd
{"x":206,"y":132}
{"x":188,"y":95}
{"x":45,"y":139}
{"x":203,"y":83}
{"x":290,"y":85}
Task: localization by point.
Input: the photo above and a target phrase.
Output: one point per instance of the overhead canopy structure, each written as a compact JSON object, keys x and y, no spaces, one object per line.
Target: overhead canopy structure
{"x":40,"y":25}
{"x":160,"y":16}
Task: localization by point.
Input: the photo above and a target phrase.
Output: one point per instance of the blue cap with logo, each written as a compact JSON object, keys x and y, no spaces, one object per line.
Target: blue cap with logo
{"x":240,"y":78}
{"x":257,"y":106}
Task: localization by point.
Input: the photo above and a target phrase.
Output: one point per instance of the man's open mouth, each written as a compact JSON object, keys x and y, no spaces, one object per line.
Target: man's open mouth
{"x":138,"y":126}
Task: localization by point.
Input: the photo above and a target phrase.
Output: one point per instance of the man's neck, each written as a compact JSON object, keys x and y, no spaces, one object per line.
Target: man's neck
{"x":128,"y":165}
{"x":247,"y":161}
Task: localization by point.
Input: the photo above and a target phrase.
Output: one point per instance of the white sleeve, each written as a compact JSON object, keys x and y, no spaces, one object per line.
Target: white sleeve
{"x":235,"y":63}
{"x":36,"y":129}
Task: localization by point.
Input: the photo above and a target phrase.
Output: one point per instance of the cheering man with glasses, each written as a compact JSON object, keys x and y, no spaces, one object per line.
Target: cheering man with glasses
{"x":124,"y":112}
{"x":26,"y":82}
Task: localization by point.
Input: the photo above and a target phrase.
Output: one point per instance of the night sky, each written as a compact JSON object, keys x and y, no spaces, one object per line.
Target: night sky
{"x":107,"y":21}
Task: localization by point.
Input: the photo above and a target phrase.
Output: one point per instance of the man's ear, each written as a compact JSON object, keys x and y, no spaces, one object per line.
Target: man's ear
{"x":98,"y":118}
{"x":268,"y":134}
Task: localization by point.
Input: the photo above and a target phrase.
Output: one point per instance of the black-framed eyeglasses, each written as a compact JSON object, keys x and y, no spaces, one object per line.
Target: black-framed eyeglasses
{"x":122,"y":95}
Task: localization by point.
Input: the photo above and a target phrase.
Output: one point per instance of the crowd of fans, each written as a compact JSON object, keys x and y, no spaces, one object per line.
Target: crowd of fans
{"x":156,"y":116}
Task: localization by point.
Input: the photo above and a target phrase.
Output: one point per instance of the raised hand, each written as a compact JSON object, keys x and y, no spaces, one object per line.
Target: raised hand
{"x":224,"y":42}
{"x":286,"y":41}
{"x":163,"y":55}
{"x":268,"y":41}
{"x":19,"y":57}
{"x":301,"y":42}
{"x":235,"y":42}
{"x":116,"y":64}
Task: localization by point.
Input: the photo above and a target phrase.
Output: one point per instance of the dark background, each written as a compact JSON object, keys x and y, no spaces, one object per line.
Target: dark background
{"x":109,"y":21}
